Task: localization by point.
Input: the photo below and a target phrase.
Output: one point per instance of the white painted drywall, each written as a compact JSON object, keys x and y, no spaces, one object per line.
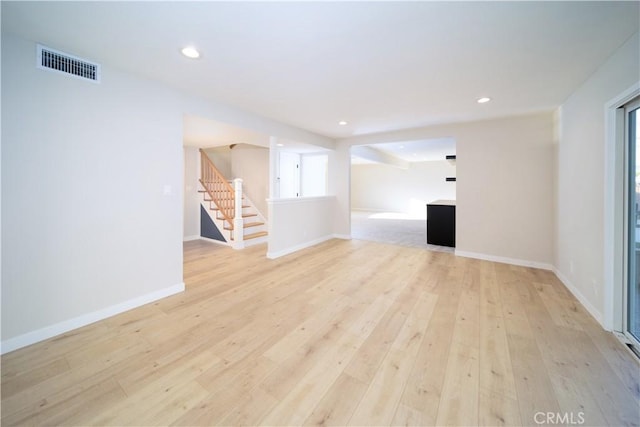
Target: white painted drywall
{"x":92,"y":191}
{"x":379,"y":187}
{"x":298,"y":223}
{"x":191,"y":228}
{"x":251,"y":163}
{"x":375,"y":155}
{"x":581,"y":175}
{"x":221,"y":159}
{"x":504,"y":187}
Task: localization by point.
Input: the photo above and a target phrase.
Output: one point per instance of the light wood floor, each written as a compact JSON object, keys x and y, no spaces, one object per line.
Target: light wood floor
{"x":344,"y":333}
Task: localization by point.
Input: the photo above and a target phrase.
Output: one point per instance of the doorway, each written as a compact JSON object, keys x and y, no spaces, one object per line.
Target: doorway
{"x":631,"y":291}
{"x":289,"y":175}
{"x":391,"y":185}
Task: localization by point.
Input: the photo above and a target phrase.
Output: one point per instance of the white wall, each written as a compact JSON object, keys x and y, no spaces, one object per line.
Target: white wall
{"x":92,"y":194}
{"x":251,"y":163}
{"x":581,"y":176}
{"x":504,"y":187}
{"x":298,"y":223}
{"x":340,"y":186}
{"x":221,"y":159}
{"x":191,"y":229}
{"x":379,"y":187}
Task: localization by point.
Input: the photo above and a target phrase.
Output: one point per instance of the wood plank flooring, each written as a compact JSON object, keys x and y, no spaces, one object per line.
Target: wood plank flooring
{"x":344,"y":333}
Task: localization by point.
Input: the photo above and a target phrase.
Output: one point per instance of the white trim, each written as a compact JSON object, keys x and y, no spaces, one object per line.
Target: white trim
{"x":504,"y":260}
{"x":86,"y":319}
{"x":190,"y":238}
{"x":613,"y":266}
{"x":544,"y":266}
{"x":292,"y":249}
{"x":581,"y":298}
{"x":342,"y":236}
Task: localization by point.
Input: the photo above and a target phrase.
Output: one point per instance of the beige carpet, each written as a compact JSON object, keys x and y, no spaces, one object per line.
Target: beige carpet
{"x":393,"y":228}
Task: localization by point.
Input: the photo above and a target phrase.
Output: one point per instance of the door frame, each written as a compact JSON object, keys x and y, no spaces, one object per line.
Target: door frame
{"x":615,"y":209}
{"x":629,"y":229}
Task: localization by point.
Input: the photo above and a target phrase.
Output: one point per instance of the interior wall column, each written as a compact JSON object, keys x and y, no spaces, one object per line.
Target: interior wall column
{"x":274,"y":168}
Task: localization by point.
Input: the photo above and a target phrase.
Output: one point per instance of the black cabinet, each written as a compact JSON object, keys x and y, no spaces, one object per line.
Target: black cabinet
{"x":441,"y":223}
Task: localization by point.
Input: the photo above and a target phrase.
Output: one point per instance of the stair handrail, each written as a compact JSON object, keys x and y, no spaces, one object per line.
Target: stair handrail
{"x":218,"y":188}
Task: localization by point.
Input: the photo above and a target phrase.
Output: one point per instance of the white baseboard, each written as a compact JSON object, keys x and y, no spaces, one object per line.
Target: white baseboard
{"x":576,"y":293}
{"x":342,"y":236}
{"x":190,"y":238}
{"x":544,"y":266}
{"x":523,"y":263}
{"x":292,"y":249}
{"x":86,"y":319}
{"x":504,"y":260}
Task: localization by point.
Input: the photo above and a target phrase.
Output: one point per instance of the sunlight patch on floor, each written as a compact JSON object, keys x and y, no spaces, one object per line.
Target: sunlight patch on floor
{"x":389,"y":215}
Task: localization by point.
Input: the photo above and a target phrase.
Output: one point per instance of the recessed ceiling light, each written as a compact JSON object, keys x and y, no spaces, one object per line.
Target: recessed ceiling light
{"x":190,"y":52}
{"x":280,"y":144}
{"x":342,"y":123}
{"x":483,"y":100}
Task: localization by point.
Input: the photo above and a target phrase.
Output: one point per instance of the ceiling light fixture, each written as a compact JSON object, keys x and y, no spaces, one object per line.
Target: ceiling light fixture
{"x":280,"y":144}
{"x":483,"y":100}
{"x":190,"y":52}
{"x":342,"y":123}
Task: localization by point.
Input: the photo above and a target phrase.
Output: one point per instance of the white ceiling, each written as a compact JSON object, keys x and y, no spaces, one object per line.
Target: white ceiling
{"x":204,"y":133}
{"x":419,"y":151}
{"x":201,"y":132}
{"x":378,"y":65}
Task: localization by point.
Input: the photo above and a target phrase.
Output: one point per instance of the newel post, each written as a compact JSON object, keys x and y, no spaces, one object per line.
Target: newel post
{"x":238,"y":222}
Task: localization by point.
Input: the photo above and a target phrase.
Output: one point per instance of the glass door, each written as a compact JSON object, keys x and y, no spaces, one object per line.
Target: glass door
{"x":631,"y":309}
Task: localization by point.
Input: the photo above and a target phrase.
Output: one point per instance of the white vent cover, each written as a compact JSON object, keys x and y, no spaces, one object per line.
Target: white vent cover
{"x":50,"y":59}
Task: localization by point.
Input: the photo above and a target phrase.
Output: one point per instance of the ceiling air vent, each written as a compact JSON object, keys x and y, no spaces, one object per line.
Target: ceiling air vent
{"x":50,"y":59}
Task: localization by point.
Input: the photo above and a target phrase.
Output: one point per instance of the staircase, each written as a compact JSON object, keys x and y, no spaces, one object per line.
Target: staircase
{"x":235,"y":216}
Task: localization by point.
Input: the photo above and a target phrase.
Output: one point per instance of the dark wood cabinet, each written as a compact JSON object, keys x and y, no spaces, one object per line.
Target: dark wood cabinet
{"x":441,"y":223}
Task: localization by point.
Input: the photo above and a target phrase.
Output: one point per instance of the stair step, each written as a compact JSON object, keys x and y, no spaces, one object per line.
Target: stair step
{"x":246,"y":225}
{"x":255,"y":235}
{"x":249,"y":215}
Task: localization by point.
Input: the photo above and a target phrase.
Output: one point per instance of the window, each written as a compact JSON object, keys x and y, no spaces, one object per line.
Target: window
{"x":314,"y":175}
